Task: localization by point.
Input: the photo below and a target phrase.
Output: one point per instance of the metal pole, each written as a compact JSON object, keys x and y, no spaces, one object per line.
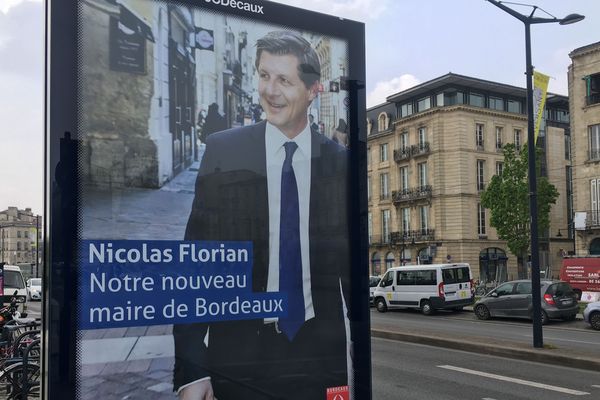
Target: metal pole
{"x":538,"y":340}
{"x":37,"y":250}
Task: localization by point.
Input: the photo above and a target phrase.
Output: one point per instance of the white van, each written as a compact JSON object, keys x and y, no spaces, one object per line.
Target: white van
{"x":426,"y":287}
{"x":14,"y":282}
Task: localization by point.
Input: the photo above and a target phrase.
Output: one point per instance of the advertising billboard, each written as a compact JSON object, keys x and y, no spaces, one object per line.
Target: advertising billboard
{"x":206,"y":178}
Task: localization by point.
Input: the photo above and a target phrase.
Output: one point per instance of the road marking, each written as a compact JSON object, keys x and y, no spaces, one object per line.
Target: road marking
{"x":487,"y":398}
{"x":514,"y":380}
{"x":596,"y":386}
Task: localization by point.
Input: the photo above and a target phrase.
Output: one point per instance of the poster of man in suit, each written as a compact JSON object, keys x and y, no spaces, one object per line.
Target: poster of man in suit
{"x":266,"y":183}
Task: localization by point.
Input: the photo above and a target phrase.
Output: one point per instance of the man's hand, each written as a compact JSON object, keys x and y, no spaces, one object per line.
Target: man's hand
{"x":201,"y":390}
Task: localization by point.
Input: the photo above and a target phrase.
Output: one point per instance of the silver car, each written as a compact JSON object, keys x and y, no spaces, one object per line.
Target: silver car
{"x":591,"y":315}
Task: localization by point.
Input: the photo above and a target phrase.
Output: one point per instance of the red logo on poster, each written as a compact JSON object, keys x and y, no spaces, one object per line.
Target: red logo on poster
{"x":338,"y":393}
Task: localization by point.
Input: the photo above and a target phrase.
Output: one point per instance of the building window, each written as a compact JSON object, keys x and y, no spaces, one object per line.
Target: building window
{"x":26,"y":233}
{"x":424,"y":218}
{"x":370,"y":227}
{"x":499,"y":166}
{"x":595,"y":202}
{"x":422,"y":137}
{"x":496,"y":103}
{"x":517,"y":138}
{"x":19,"y":246}
{"x":480,"y":175}
{"x":385,"y":226}
{"x":568,"y":147}
{"x":594,"y":134}
{"x":406,"y":110}
{"x":592,"y":83}
{"x":439,"y":99}
{"x":424,"y":104}
{"x":382,"y":122}
{"x":369,"y":188}
{"x":383,"y":152}
{"x":384,"y":186}
{"x":26,"y":246}
{"x":422,"y":174}
{"x":514,"y":106}
{"x":479,"y":136}
{"x":499,"y":138}
{"x":476,"y":100}
{"x":480,"y":220}
{"x":389,"y":260}
{"x":404,"y":178}
{"x":405,"y":220}
{"x":18,"y":234}
{"x":404,"y":141}
{"x":452,"y":98}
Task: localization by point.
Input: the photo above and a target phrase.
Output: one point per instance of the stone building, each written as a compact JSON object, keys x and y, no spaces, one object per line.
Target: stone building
{"x":431,"y":151}
{"x":584,"y":93}
{"x":21,"y":238}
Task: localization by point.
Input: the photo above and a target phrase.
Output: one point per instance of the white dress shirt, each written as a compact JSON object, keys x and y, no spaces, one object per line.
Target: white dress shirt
{"x":301,"y":162}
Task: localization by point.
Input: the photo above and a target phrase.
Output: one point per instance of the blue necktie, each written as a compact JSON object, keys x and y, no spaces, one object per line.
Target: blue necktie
{"x":290,"y":257}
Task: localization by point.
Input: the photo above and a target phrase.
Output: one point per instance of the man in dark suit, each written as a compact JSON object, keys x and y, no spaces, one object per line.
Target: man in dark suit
{"x":284,"y":188}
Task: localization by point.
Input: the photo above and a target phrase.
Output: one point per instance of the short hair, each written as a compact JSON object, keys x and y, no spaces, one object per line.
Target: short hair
{"x":286,"y":42}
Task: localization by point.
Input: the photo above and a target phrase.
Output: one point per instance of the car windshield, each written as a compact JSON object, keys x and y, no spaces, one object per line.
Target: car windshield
{"x":13,"y":279}
{"x":373,"y":281}
{"x":36,"y":282}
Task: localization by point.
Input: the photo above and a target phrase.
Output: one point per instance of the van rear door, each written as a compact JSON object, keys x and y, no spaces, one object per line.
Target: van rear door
{"x":457,"y":282}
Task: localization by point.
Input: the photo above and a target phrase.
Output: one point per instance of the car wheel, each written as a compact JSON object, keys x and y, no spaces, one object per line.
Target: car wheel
{"x":482,"y":312}
{"x":426,"y":307}
{"x":545,"y":318}
{"x":595,"y":321}
{"x":381,"y":306}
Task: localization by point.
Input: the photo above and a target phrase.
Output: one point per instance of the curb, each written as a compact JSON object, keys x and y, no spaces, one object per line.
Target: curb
{"x":524,"y":354}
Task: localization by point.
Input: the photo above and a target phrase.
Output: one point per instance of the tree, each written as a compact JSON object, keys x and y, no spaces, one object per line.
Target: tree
{"x":507,"y":198}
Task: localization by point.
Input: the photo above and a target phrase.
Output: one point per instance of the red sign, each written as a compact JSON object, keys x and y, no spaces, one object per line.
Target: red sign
{"x":582,"y":273}
{"x":338,"y":393}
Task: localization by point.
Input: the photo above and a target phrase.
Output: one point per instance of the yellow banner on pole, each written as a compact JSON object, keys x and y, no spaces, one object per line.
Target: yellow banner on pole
{"x":540,"y":89}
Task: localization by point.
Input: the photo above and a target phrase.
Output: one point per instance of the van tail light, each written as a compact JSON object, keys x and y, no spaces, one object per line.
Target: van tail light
{"x":548,"y":299}
{"x":441,"y":290}
{"x":472,"y":287}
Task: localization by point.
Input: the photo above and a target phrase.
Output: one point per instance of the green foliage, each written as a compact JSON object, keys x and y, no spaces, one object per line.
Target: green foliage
{"x":507,"y":198}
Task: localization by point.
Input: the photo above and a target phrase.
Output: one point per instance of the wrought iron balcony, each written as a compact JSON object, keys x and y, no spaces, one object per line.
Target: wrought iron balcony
{"x":411,"y":237}
{"x":420,"y":149}
{"x":594,"y":155}
{"x":402,"y":154}
{"x":379,"y":240}
{"x":412,"y":194}
{"x":592,"y":99}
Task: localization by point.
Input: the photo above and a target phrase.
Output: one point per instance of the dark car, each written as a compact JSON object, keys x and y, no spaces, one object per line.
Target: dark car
{"x":513,"y":299}
{"x":373,"y":282}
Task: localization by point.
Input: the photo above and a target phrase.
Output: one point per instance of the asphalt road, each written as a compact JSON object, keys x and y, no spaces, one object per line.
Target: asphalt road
{"x":417,"y":372}
{"x":575,"y":335}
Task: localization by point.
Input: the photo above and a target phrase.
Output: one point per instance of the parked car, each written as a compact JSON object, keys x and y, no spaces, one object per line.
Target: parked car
{"x":34,"y":288}
{"x":591,"y":315}
{"x":426,"y":287}
{"x":373,"y":282}
{"x":513,"y":299}
{"x":14,"y":286}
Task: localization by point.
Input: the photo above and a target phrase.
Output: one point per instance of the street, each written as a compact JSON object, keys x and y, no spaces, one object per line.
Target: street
{"x":417,"y":372}
{"x":577,"y":336}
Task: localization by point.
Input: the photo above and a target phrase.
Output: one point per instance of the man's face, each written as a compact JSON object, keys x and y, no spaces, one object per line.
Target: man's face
{"x":283,"y":95}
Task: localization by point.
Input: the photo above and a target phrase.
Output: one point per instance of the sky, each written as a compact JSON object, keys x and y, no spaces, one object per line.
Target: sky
{"x":407,"y":42}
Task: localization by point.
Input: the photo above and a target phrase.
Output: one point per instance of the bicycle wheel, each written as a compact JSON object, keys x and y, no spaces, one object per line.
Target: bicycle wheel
{"x":17,"y":382}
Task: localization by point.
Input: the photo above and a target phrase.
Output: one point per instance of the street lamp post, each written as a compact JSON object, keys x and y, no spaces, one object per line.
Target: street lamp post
{"x":538,"y":340}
